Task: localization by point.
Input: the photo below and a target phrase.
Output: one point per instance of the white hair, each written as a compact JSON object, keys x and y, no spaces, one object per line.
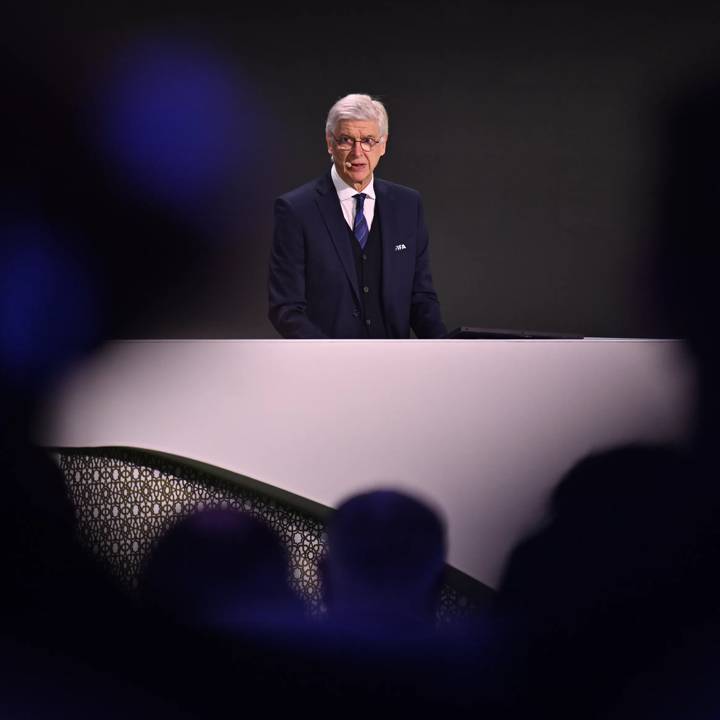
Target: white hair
{"x":357,"y":107}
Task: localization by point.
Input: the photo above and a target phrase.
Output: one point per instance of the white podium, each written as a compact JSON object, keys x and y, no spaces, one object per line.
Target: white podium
{"x":481,"y":429}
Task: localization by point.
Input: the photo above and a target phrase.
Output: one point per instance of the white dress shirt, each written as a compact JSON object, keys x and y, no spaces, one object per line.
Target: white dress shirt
{"x":346,"y":195}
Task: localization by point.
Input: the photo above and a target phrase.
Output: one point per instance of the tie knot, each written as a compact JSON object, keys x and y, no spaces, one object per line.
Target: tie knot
{"x":360,"y":199}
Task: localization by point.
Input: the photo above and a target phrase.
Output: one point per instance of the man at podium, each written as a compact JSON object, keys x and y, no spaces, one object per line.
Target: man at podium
{"x":350,"y":252}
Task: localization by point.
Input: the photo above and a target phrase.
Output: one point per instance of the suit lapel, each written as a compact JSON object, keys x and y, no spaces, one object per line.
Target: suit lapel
{"x":389,"y":230}
{"x":329,"y":207}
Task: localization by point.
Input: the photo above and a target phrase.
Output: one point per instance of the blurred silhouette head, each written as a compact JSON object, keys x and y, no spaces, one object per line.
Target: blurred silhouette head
{"x":221,"y":569}
{"x":619,"y":522}
{"x":385,"y":561}
{"x":622,"y":566}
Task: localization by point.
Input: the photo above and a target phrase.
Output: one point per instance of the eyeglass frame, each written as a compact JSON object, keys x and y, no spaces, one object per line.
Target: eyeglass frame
{"x":363,"y":142}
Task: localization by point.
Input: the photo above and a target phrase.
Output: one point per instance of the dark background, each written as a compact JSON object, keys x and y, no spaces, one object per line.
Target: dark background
{"x":531,"y":129}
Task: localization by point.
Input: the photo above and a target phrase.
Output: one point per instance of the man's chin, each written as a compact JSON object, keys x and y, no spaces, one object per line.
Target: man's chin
{"x":357,"y":179}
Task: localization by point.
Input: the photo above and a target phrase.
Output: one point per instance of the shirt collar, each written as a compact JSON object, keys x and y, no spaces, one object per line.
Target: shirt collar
{"x":346,"y":191}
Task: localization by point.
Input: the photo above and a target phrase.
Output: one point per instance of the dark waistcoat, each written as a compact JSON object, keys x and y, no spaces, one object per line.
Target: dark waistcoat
{"x":368,"y":265}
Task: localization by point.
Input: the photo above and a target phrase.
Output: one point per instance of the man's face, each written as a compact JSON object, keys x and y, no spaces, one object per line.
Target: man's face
{"x":356,"y":165}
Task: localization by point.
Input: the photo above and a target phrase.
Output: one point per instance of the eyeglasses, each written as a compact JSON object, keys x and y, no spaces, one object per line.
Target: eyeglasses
{"x":345,"y":142}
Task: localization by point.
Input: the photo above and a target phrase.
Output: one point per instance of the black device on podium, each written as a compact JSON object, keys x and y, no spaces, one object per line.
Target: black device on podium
{"x":477,"y":333}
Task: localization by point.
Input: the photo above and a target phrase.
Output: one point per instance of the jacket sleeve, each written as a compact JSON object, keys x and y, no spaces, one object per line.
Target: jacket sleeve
{"x":425,"y":317}
{"x":286,"y":285}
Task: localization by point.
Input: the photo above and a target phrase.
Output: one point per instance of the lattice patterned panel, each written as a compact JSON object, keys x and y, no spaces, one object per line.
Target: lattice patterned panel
{"x":125,"y":500}
{"x":124,"y":506}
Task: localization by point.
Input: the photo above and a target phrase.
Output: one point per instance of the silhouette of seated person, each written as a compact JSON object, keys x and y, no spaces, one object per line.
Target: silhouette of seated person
{"x":54,"y":591}
{"x":221,"y":577}
{"x":683,"y":683}
{"x":223,"y":570}
{"x":381,"y":581}
{"x":609,"y":583}
{"x":384,"y":567}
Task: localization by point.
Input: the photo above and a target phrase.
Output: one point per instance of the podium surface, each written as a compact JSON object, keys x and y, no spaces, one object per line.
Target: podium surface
{"x":480,"y":429}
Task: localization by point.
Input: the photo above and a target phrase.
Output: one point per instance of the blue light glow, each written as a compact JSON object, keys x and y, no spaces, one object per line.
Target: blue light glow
{"x":174,"y":121}
{"x":48,"y":308}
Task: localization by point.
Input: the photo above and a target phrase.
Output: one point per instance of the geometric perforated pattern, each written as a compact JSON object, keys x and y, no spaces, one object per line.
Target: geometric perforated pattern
{"x":123,"y":505}
{"x":454,"y":605}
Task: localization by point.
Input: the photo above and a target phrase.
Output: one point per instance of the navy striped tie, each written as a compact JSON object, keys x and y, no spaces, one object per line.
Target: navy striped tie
{"x":360,"y":227}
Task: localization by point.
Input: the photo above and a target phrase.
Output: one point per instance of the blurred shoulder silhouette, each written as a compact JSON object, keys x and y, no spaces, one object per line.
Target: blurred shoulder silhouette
{"x":620,"y":572}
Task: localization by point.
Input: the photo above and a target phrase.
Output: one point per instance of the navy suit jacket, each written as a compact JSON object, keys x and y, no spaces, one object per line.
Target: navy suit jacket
{"x":313,"y":280}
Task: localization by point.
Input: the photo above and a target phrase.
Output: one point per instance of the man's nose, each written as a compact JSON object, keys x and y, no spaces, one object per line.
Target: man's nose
{"x":356,"y":149}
